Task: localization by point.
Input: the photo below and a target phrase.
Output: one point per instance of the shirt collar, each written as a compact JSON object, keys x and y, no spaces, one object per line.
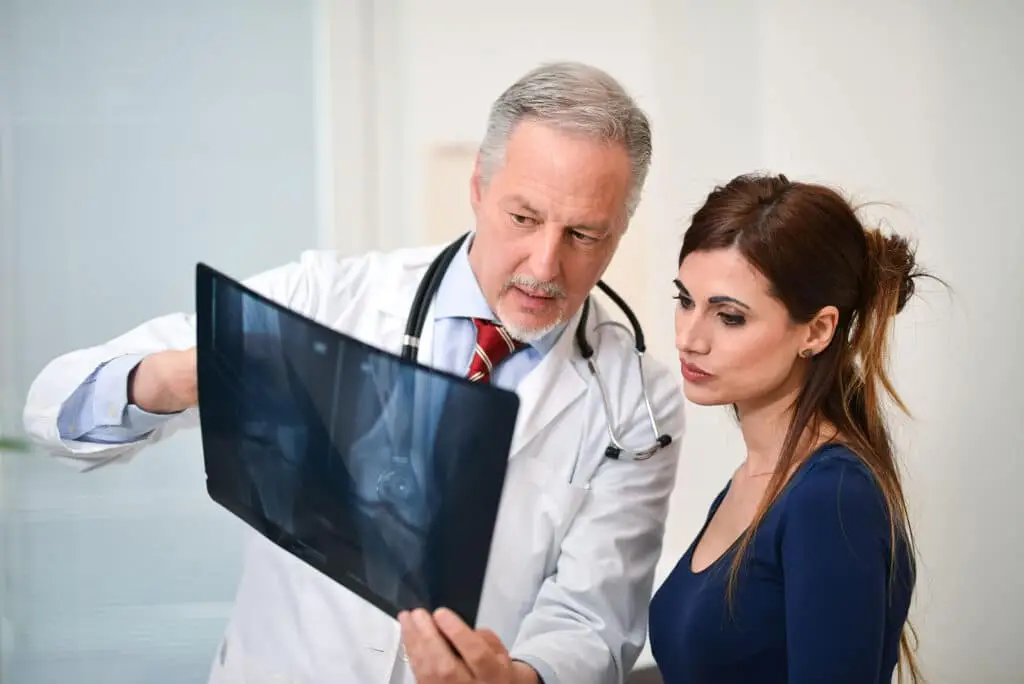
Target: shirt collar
{"x":459,"y":296}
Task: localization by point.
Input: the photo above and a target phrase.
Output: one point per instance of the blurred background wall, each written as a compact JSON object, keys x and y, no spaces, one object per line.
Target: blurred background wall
{"x":139,"y":136}
{"x":136,"y":139}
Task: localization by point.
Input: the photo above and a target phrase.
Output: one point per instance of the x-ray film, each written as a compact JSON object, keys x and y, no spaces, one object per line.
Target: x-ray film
{"x":383,"y":474}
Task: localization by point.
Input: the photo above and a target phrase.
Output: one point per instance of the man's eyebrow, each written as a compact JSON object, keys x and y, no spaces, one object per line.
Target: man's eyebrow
{"x":521,"y":202}
{"x":601,"y":228}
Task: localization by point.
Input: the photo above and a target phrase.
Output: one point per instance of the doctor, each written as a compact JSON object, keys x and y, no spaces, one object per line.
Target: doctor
{"x":558,"y":175}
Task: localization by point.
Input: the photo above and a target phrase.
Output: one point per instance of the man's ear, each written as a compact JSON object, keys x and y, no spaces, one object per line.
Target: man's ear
{"x":820,"y":330}
{"x":474,"y":185}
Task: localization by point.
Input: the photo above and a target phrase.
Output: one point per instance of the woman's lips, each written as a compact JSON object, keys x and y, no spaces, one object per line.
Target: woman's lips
{"x":693,"y":372}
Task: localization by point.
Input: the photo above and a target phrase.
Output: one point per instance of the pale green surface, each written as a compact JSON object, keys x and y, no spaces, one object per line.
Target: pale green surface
{"x":10,"y":444}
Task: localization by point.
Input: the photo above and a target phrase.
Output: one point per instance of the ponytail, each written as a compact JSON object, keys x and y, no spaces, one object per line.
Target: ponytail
{"x":890,"y":271}
{"x":888,"y":284}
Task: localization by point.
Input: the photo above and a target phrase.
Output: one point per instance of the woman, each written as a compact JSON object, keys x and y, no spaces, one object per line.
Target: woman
{"x":804,"y":569}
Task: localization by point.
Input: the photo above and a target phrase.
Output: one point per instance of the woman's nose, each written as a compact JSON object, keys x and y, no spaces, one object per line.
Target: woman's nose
{"x":691,"y":338}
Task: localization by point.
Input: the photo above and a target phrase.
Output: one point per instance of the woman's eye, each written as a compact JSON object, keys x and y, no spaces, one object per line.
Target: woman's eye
{"x":684,"y":301}
{"x":732,"y":319}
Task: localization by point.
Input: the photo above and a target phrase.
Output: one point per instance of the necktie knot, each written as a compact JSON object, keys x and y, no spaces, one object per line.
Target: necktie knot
{"x":493,"y":345}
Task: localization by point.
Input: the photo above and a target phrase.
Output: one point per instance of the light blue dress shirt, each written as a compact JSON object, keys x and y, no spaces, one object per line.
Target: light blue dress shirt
{"x":459,"y":298}
{"x":98,"y":410}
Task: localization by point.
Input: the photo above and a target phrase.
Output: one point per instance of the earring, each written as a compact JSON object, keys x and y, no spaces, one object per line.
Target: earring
{"x":806,"y":354}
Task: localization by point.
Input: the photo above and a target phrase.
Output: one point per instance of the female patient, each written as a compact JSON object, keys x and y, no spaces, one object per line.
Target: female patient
{"x":804,"y":569}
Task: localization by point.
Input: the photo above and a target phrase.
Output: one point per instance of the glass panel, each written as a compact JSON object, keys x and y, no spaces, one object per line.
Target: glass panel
{"x":137,"y":138}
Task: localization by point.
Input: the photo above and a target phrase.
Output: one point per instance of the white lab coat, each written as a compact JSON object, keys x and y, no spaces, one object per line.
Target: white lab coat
{"x":573,"y":558}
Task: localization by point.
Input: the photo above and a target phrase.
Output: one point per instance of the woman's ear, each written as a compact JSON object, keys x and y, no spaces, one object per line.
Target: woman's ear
{"x":820,"y":331}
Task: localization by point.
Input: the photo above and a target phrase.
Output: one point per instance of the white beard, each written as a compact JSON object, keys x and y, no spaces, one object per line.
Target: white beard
{"x":530,"y":335}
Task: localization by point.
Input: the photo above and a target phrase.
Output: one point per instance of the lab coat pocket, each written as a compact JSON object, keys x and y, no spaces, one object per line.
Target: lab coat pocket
{"x":560,"y":501}
{"x":537,"y":512}
{"x":226,"y":667}
{"x":232,"y":665}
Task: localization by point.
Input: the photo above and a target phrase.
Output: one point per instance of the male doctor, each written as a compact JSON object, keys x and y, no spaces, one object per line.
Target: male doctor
{"x":558,"y":175}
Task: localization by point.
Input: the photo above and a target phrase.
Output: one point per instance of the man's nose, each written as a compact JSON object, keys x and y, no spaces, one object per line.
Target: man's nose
{"x":546,"y":253}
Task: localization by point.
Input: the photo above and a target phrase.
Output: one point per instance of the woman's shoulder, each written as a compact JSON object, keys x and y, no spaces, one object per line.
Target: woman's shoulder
{"x":832,"y":462}
{"x":834,"y":480}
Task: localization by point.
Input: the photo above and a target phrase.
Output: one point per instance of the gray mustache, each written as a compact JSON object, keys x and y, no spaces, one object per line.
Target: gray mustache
{"x":526,"y":282}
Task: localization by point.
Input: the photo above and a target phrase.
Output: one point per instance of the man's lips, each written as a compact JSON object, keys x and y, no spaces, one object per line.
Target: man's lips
{"x":535,"y":294}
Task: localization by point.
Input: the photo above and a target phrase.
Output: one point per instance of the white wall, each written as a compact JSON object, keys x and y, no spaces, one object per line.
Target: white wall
{"x":912,"y":103}
{"x":917,"y":105}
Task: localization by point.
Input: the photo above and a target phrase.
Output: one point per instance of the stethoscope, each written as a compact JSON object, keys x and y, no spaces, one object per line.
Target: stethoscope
{"x":615,"y":449}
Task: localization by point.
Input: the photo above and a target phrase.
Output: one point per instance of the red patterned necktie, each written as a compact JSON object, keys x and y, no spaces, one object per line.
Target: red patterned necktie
{"x":493,"y":345}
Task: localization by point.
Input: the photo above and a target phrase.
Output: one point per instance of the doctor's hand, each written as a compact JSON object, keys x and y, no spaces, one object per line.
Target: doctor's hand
{"x":478,"y":656}
{"x":165,"y":382}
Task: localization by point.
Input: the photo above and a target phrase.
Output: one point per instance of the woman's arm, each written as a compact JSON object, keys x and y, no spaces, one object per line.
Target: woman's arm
{"x":835,"y":561}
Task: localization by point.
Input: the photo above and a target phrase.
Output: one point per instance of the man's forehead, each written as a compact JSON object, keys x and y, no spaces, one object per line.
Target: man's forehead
{"x":570,"y":161}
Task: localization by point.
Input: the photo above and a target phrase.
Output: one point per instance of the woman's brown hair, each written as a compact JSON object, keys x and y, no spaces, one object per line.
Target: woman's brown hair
{"x":808,"y":242}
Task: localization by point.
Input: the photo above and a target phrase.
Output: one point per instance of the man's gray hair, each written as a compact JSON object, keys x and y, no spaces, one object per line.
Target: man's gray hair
{"x":573,"y":97}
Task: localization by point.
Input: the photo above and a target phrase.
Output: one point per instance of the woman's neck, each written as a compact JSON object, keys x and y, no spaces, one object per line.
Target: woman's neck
{"x":764,"y":432}
{"x":765,"y":426}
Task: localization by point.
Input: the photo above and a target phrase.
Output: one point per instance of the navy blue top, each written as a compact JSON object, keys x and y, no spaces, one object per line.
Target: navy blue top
{"x":813,"y":600}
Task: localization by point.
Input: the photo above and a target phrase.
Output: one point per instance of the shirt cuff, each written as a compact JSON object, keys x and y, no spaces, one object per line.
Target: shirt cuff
{"x":545,"y":673}
{"x":110,"y":406}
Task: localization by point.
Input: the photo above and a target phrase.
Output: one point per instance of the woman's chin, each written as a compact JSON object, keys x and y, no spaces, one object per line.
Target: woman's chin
{"x":703,"y":396}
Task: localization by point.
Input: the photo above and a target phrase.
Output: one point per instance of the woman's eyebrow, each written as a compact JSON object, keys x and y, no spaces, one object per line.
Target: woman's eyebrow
{"x":722,"y":299}
{"x":717,"y":299}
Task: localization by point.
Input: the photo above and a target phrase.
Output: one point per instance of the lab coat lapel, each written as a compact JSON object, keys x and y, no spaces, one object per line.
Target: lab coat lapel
{"x":549,"y":389}
{"x":395,"y":307}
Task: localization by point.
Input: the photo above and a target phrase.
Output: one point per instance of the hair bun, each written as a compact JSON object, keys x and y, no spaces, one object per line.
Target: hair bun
{"x":893,"y":265}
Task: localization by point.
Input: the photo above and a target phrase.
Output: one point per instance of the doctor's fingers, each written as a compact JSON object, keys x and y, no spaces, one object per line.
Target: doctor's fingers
{"x":498,"y":666}
{"x":431,"y":659}
{"x":481,"y":650}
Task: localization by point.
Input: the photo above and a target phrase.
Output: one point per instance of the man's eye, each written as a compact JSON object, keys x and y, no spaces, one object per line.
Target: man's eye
{"x":520,"y":220}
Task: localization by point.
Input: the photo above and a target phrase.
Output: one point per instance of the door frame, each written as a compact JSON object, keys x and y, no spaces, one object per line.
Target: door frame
{"x":360,"y":79}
